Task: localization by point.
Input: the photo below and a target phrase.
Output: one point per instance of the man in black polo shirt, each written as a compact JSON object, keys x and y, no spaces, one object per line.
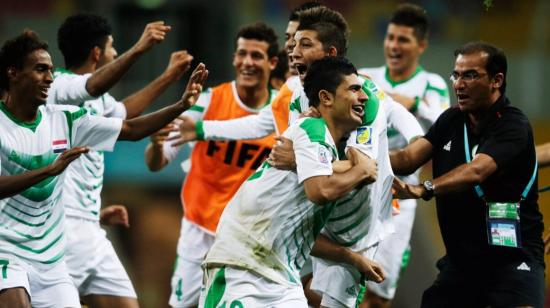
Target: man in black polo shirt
{"x":494,"y":257}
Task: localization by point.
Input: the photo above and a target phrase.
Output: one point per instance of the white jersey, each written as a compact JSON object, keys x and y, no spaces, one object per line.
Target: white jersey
{"x":269,"y":226}
{"x":32,"y":222}
{"x":84,"y":177}
{"x":364,"y":217}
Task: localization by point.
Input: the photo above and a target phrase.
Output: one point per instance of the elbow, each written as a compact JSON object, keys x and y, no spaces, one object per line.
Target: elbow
{"x":322,"y":196}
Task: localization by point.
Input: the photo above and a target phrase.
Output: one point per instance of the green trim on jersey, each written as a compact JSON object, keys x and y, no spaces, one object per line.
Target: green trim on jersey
{"x":295,"y":105}
{"x":196,"y":108}
{"x":216,"y":290}
{"x":441,"y":91}
{"x":199,"y":130}
{"x":372,"y":105}
{"x":52,"y":227}
{"x":316,"y":130}
{"x":36,"y":251}
{"x":30,"y":125}
{"x":62,"y":70}
{"x":72,"y":117}
{"x":396,"y":83}
{"x":50,"y":261}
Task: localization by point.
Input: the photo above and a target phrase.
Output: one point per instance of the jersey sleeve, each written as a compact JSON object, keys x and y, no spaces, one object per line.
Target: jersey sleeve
{"x":507,"y":138}
{"x":249,"y":127}
{"x":435,"y":99}
{"x":313,"y":155}
{"x":400,"y":119}
{"x":98,"y":133}
{"x":112,"y":107}
{"x":69,"y":90}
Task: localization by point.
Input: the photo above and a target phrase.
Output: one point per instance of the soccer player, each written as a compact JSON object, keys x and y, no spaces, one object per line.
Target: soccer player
{"x":267,"y":230}
{"x":32,"y":237}
{"x":219,"y":168}
{"x":86,"y":43}
{"x":426,"y":96}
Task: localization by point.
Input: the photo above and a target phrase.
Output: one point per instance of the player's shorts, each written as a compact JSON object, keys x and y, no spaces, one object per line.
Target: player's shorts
{"x":514,"y":284}
{"x":338,"y":283}
{"x":393,"y":251}
{"x":193,"y":244}
{"x":92,"y":261}
{"x":238,"y":288}
{"x":51,"y":288}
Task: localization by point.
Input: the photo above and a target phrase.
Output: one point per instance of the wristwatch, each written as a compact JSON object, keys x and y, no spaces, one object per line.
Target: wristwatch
{"x":429,"y":188}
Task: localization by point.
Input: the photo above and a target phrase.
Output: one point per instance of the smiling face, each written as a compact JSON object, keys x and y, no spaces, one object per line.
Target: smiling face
{"x":349,"y":101}
{"x":402,"y":49}
{"x":252,"y":63}
{"x":289,"y":43}
{"x":475,"y":91}
{"x":33,"y":80}
{"x":306,"y":50}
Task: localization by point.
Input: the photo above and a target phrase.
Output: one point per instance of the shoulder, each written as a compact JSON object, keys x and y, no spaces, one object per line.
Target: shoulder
{"x":314,"y":128}
{"x":371,"y":72}
{"x":450,"y":115}
{"x":293,"y":82}
{"x":435,"y":80}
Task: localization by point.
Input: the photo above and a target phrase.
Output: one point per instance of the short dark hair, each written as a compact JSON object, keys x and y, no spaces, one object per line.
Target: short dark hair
{"x":15,"y":51}
{"x":295,"y":14}
{"x":261,"y":32}
{"x":496,"y":60}
{"x":326,"y":74}
{"x":331,"y":27}
{"x":414,"y":16}
{"x":79,"y":34}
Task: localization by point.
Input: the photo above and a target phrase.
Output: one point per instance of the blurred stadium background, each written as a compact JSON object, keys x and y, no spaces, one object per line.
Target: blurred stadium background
{"x":206,"y":28}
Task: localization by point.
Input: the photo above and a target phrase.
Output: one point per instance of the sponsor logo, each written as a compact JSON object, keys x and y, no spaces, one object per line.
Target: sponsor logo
{"x":59,"y":146}
{"x":524,"y":267}
{"x":364,"y":135}
{"x":447,"y":147}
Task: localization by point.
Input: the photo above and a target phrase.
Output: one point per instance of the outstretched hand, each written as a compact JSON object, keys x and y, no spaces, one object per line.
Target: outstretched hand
{"x":194,"y":86}
{"x":187,"y":132}
{"x":67,"y":157}
{"x":402,"y":190}
{"x":114,"y":215}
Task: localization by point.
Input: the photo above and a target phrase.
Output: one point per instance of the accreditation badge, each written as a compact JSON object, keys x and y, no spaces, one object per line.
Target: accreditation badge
{"x":503,"y":228}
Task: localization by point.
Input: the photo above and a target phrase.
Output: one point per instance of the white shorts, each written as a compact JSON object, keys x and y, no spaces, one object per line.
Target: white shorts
{"x":238,"y":288}
{"x":92,"y":261}
{"x":51,"y":288}
{"x":392,"y":249}
{"x":337,"y":283}
{"x":193,"y":244}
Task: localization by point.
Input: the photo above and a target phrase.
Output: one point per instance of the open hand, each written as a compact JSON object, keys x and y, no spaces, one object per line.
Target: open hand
{"x":154,"y":33}
{"x":67,"y":157}
{"x":194,"y":86}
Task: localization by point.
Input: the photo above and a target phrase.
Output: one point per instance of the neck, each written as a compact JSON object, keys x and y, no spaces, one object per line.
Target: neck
{"x":254,"y":98}
{"x":403,"y":75}
{"x":477,"y":115}
{"x":24,"y":112}
{"x":336,"y":131}
{"x":86,"y":68}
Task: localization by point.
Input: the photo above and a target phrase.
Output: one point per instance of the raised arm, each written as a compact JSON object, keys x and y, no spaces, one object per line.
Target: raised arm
{"x":104,"y":78}
{"x":13,"y":184}
{"x":146,"y":125}
{"x":136,"y":103}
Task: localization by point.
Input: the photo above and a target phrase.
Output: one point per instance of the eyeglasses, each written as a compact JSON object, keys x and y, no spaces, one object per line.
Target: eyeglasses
{"x":467,"y":76}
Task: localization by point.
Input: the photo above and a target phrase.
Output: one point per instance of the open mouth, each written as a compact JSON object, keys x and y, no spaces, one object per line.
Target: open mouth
{"x":301,"y":68}
{"x":359,"y":110}
{"x":44,"y":91}
{"x":462,"y":97}
{"x":248,"y":73}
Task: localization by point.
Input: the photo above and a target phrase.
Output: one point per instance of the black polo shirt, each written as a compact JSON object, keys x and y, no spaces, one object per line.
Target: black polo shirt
{"x":504,"y":134}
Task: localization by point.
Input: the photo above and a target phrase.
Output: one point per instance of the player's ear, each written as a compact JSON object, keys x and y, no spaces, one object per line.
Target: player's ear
{"x":325,"y":98}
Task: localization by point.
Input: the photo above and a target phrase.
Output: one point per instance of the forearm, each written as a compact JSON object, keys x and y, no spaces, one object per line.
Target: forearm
{"x":325,"y":248}
{"x":249,"y":127}
{"x":341,"y":166}
{"x":13,"y":184}
{"x":140,"y":100}
{"x":460,"y":179}
{"x":415,"y":155}
{"x":154,"y":157}
{"x":107,"y":76}
{"x":543,"y":155}
{"x":325,"y":189}
{"x":140,"y":127}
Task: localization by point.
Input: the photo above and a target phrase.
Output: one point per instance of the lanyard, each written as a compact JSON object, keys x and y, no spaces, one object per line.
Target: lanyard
{"x":478,"y":189}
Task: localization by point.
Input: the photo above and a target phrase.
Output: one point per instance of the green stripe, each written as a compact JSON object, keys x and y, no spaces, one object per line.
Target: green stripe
{"x":396,"y":83}
{"x":36,"y":251}
{"x":358,"y":222}
{"x":441,"y":91}
{"x":71,"y":118}
{"x":355,"y":239}
{"x":28,"y":214}
{"x":216,"y":290}
{"x":30,"y":237}
{"x":24,"y":222}
{"x":50,"y":261}
{"x":199,"y":130}
{"x":4,"y":264}
{"x":295,"y":105}
{"x":348,"y":214}
{"x":196,"y":108}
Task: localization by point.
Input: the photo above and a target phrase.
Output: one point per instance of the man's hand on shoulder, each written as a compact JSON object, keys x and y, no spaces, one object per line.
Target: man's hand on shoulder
{"x":282,"y":154}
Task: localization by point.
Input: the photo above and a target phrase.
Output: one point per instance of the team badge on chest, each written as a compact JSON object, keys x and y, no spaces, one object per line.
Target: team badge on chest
{"x":364,"y":135}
